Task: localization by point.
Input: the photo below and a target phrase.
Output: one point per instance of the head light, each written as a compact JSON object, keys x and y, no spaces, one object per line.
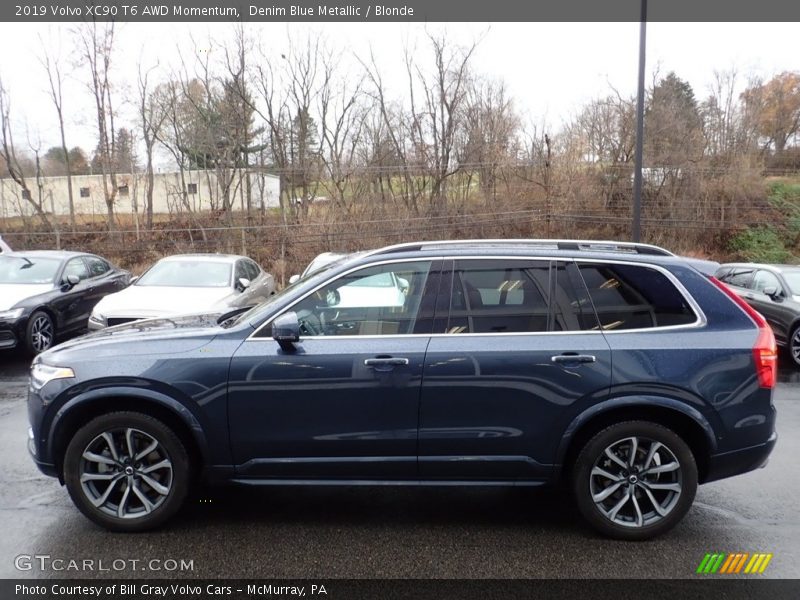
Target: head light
{"x":42,"y":374}
{"x":11,"y":314}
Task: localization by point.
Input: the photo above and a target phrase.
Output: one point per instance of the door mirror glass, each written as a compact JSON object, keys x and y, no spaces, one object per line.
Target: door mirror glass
{"x":286,"y":330}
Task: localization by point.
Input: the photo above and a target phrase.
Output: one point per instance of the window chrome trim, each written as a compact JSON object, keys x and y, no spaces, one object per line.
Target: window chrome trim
{"x":699,"y":322}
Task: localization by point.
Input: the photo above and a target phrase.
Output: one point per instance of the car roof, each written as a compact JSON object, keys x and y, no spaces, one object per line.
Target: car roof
{"x":204,"y":257}
{"x":57,"y":254}
{"x":767,"y":266}
{"x":566,"y":249}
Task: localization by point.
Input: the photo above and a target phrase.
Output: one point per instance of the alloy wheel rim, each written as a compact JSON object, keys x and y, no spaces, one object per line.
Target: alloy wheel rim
{"x":126,"y":473}
{"x":41,"y":333}
{"x":636,"y":482}
{"x":795,"y":346}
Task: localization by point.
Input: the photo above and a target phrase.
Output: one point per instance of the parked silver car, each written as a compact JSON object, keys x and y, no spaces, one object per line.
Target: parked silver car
{"x":186,"y":284}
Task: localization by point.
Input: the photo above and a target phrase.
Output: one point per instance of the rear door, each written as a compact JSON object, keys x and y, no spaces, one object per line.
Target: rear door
{"x":515,"y":352}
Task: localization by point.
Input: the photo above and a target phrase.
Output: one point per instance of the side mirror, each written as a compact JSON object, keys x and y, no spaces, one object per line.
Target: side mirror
{"x":242,"y":284}
{"x":286,"y":330}
{"x":772,"y":292}
{"x":133,"y":279}
{"x":69,"y":282}
{"x":294,"y":279}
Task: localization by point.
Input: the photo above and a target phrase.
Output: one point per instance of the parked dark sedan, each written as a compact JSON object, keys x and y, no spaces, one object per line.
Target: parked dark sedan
{"x":47,"y":294}
{"x":774,"y":291}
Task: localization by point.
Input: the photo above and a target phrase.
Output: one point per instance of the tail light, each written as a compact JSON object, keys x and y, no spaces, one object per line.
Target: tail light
{"x":765,"y":352}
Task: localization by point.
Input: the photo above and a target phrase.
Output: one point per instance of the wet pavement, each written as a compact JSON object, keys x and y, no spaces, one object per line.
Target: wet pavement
{"x":389,"y":532}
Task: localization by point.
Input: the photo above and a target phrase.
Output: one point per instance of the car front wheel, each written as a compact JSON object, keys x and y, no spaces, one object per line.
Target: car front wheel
{"x":40,"y":334}
{"x":127,"y":471}
{"x":635,"y":480}
{"x":794,"y":346}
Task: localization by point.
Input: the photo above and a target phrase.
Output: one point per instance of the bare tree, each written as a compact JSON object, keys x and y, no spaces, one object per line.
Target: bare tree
{"x":12,"y":161}
{"x":152,"y":115}
{"x":343,"y":115}
{"x":97,"y":44}
{"x":52,"y":66}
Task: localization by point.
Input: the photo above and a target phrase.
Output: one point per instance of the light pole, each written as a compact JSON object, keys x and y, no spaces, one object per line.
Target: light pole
{"x":636,"y":228}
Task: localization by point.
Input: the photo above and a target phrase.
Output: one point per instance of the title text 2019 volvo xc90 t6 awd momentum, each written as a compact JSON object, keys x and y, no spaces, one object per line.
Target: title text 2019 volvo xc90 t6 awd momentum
{"x":619,"y":369}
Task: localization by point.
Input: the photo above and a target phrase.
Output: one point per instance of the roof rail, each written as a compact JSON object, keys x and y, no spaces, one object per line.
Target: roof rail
{"x":575,"y":245}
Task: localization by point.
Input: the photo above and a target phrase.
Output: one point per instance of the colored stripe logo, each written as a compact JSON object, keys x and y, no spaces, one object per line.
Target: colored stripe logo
{"x":734,"y":563}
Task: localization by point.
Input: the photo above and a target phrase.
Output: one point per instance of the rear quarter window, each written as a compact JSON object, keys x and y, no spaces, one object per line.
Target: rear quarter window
{"x":634,"y":297}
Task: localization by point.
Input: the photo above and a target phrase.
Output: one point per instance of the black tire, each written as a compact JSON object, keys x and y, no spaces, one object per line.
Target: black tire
{"x":793,"y":347}
{"x":146,"y":430}
{"x":642,"y":520}
{"x":40,"y":334}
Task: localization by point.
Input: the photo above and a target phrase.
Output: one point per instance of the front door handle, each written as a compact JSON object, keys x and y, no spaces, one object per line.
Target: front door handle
{"x":573,"y":358}
{"x":386,"y":362}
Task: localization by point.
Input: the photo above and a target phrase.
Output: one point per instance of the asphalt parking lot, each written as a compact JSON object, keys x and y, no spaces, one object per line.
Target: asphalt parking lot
{"x":392,"y":532}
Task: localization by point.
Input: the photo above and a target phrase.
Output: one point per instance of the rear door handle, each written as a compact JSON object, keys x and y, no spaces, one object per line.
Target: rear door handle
{"x":573,"y":358}
{"x":386,"y":362}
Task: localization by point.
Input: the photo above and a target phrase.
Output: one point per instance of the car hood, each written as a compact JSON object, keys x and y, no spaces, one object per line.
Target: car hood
{"x":178,"y":334}
{"x":158,"y":301}
{"x":13,"y":293}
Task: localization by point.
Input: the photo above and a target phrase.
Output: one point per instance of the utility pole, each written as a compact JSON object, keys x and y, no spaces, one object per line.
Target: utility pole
{"x":636,"y":228}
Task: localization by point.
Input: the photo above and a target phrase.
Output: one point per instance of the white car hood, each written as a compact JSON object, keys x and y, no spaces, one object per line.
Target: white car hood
{"x":12,"y":293}
{"x":156,"y":301}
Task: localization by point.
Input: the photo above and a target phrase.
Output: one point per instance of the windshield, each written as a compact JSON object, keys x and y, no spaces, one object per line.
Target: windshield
{"x":18,"y":269}
{"x":793,"y":279}
{"x":187,"y":273}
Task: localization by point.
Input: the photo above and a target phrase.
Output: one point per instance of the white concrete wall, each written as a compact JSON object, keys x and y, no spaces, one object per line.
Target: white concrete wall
{"x":166,"y":193}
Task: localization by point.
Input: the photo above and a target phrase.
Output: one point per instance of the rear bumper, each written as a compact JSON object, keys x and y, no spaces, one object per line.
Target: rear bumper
{"x":737,"y":462}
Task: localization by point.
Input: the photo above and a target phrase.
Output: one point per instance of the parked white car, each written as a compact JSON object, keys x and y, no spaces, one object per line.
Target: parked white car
{"x":3,"y":246}
{"x":321,"y":260}
{"x":186,"y":284}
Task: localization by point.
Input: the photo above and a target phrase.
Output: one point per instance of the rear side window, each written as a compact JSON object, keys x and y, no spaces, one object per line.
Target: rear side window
{"x":738,"y":277}
{"x":634,"y":297}
{"x":97,"y":266}
{"x":491,"y":296}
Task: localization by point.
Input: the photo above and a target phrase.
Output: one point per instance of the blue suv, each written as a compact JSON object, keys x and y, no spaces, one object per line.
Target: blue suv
{"x":617,"y":369}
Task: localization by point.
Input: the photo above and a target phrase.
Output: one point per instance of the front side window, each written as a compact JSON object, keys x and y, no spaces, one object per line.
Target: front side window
{"x":764,"y":280}
{"x":379,"y":300}
{"x":634,"y":297}
{"x":499,"y":296}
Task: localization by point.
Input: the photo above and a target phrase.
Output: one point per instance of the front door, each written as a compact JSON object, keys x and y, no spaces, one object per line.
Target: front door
{"x":516,"y":356}
{"x":344,"y":402}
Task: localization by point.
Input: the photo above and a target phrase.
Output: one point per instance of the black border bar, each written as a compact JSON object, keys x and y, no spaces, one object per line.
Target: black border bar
{"x":393,"y":11}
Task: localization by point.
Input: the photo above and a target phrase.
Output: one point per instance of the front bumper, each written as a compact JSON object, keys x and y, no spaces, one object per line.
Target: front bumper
{"x":741,"y":461}
{"x":12,"y":332}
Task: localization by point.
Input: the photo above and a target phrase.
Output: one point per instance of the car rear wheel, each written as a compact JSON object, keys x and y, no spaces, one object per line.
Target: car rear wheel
{"x":635,"y":480}
{"x":40,"y":333}
{"x":127,"y":471}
